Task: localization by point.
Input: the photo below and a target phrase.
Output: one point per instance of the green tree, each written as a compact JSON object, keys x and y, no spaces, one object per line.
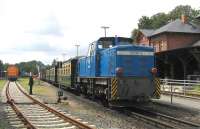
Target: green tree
{"x":153,"y":22}
{"x":183,"y":9}
{"x":31,"y":66}
{"x":134,"y":35}
{"x":145,"y":22}
{"x":1,"y":65}
{"x":158,"y":20}
{"x":5,"y":66}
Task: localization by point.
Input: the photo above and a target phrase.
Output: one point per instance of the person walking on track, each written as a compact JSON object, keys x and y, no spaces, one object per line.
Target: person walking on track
{"x":31,"y":85}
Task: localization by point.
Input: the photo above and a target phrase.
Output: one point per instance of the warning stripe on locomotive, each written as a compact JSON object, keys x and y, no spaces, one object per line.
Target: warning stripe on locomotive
{"x":114,"y":88}
{"x":157,"y":92}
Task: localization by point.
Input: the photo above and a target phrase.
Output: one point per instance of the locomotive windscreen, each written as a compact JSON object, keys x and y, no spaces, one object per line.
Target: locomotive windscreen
{"x":107,"y":42}
{"x":120,"y":39}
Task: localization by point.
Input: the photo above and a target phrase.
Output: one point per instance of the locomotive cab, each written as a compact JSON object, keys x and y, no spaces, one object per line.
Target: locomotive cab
{"x":95,"y":52}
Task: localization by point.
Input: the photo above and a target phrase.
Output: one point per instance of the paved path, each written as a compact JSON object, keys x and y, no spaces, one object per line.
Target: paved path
{"x":182,"y":102}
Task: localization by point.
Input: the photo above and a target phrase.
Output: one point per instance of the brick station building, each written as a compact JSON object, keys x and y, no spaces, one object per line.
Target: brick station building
{"x":177,"y":46}
{"x":144,"y":36}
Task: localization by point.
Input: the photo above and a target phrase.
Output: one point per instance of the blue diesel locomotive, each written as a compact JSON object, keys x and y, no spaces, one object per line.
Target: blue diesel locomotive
{"x":117,"y":71}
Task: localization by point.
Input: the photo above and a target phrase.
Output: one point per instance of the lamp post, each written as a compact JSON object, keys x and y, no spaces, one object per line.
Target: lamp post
{"x":38,"y":68}
{"x":77,"y":46}
{"x":105,"y":28}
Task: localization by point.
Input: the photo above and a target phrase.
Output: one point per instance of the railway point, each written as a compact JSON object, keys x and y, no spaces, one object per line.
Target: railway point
{"x":100,"y":64}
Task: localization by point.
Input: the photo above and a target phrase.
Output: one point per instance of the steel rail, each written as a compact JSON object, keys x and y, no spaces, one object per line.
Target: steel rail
{"x":149,"y":120}
{"x":62,"y":116}
{"x":169,"y":118}
{"x":17,"y":111}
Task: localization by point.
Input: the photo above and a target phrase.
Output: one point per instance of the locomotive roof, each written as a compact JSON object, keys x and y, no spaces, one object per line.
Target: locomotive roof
{"x":113,"y":39}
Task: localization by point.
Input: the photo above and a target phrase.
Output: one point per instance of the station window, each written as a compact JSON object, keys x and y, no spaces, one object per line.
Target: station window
{"x":156,"y":46}
{"x":163,"y":46}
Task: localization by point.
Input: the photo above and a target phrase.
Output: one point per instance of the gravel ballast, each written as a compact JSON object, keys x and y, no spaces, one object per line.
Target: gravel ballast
{"x":95,"y":113}
{"x":92,"y":112}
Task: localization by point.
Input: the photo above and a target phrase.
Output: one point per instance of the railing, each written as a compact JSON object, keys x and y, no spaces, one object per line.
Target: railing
{"x":183,"y":87}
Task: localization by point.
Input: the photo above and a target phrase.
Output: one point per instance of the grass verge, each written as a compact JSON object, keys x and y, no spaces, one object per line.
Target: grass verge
{"x":39,"y":88}
{"x":197,"y":88}
{"x":24,"y":83}
{"x":2,"y":84}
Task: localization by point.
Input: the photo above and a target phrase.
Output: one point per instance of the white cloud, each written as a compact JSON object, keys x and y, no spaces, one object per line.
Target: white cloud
{"x":50,"y":27}
{"x":44,"y":29}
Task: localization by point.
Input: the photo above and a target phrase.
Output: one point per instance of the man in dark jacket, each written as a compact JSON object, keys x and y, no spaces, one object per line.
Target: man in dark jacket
{"x":31,"y":85}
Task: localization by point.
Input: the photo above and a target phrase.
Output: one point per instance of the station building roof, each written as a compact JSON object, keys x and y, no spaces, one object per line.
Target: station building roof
{"x":147,"y":32}
{"x":178,"y":26}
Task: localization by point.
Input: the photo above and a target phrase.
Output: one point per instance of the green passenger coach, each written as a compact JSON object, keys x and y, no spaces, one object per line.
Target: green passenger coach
{"x":66,"y":73}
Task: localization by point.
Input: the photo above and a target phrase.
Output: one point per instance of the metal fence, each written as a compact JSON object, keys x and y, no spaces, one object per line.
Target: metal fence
{"x":185,"y":87}
{"x":180,"y":87}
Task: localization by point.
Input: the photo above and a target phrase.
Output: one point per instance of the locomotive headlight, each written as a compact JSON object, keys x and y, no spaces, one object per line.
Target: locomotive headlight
{"x":119,"y":71}
{"x":154,"y":70}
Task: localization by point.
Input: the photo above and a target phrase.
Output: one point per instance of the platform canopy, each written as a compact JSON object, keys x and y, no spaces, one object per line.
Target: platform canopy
{"x":179,"y":63}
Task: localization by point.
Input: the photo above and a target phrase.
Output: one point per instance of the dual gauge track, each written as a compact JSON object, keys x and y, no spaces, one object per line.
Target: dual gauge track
{"x":34,"y":114}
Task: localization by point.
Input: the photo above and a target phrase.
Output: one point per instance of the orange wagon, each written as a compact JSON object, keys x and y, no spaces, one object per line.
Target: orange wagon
{"x":12,"y":72}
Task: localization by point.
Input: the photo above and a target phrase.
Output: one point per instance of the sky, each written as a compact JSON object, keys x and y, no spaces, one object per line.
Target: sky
{"x":49,"y":29}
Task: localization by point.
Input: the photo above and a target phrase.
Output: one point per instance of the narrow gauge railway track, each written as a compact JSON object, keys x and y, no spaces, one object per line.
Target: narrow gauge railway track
{"x":34,"y":114}
{"x":159,"y":120}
